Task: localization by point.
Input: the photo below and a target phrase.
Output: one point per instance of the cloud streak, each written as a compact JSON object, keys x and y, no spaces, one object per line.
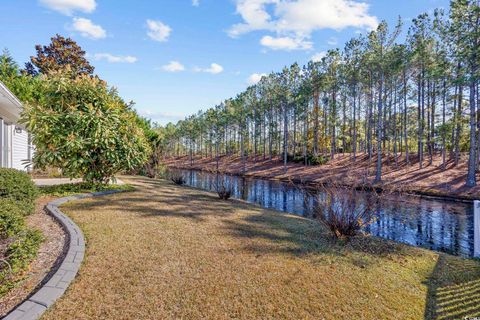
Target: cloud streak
{"x":285,"y":43}
{"x":214,"y":68}
{"x":114,"y":59}
{"x":173,"y":66}
{"x":68,"y":7}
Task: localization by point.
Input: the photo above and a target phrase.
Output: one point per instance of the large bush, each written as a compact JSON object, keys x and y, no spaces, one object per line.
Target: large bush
{"x":18,"y":186}
{"x":84,"y":128}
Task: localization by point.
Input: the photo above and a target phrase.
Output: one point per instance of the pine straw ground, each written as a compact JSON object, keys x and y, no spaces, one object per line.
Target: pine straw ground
{"x":169,"y":252}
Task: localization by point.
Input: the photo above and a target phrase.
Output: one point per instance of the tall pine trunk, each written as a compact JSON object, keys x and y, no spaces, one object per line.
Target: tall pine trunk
{"x":378,"y":174}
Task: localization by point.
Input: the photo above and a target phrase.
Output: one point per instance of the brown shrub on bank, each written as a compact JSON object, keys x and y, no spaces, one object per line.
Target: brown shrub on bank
{"x":345,"y":210}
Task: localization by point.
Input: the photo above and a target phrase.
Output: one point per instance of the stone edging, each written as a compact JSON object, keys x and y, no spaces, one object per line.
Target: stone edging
{"x":45,"y":297}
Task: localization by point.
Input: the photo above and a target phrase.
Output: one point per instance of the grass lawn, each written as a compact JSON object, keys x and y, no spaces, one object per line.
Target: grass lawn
{"x":169,"y":252}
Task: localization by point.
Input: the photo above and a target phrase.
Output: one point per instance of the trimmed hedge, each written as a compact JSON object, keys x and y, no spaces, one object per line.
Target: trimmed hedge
{"x":18,"y":186}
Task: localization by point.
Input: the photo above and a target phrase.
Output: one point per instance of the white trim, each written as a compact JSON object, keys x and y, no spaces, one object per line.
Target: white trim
{"x":15,"y":147}
{"x":10,"y":96}
{"x":10,"y":106}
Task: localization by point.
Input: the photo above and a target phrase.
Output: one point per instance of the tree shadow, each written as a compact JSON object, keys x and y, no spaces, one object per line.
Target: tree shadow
{"x":453,"y":289}
{"x":298,"y":236}
{"x":151,"y":202}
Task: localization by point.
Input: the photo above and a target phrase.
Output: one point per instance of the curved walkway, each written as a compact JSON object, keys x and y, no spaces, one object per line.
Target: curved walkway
{"x":46,"y":296}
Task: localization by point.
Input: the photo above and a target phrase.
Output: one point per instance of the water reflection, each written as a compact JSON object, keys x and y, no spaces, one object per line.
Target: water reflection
{"x":434,"y":224}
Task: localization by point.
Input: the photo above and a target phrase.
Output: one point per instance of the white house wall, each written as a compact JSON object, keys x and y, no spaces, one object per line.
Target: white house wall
{"x":14,"y":140}
{"x":14,"y":147}
{"x":20,"y":149}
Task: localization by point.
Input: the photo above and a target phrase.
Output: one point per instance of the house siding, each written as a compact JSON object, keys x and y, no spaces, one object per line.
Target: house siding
{"x":20,"y":148}
{"x":15,"y":149}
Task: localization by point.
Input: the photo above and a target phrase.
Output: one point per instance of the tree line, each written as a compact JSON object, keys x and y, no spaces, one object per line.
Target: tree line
{"x":378,"y":96}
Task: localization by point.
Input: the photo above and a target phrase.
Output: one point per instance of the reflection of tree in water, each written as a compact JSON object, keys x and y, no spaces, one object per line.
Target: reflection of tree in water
{"x":244,"y":189}
{"x":440,"y":225}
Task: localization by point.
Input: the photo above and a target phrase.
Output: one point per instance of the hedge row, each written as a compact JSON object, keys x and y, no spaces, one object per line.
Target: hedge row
{"x":18,"y":244}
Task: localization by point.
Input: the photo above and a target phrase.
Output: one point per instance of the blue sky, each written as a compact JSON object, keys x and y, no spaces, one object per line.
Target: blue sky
{"x":175,"y":57}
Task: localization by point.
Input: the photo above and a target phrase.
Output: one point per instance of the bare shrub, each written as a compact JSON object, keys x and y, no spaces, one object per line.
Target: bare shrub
{"x":177,"y":178}
{"x":223,"y":188}
{"x":345,"y":210}
{"x":224,"y":193}
{"x":222,"y":184}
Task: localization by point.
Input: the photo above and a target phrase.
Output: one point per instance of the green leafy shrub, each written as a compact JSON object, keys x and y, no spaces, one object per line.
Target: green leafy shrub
{"x":18,"y":255}
{"x":18,"y":186}
{"x":84,"y":128}
{"x":317,"y":160}
{"x":18,"y":243}
{"x":21,"y":251}
{"x":311,"y":159}
{"x":11,"y":219}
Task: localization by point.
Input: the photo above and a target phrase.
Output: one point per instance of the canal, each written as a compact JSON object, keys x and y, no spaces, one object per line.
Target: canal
{"x":441,"y":225}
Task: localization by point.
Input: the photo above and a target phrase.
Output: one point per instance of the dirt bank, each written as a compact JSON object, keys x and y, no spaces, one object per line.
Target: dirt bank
{"x":431,"y":180}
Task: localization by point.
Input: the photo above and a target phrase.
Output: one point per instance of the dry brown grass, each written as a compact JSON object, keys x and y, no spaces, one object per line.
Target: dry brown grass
{"x":169,"y":252}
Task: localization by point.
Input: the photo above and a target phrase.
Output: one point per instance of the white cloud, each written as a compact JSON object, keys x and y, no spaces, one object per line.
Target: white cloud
{"x":114,"y":59}
{"x":302,"y":16}
{"x":88,"y":29}
{"x":173,"y":66}
{"x":255,"y":16}
{"x":158,"y":31}
{"x":160,"y":116}
{"x":332,"y":41}
{"x":318,"y":56}
{"x":195,"y":3}
{"x":213,"y":69}
{"x":67,"y":7}
{"x":255,"y":78}
{"x":285,"y":43}
{"x":297,"y":19}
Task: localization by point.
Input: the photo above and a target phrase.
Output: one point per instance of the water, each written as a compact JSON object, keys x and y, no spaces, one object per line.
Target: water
{"x":445,"y":226}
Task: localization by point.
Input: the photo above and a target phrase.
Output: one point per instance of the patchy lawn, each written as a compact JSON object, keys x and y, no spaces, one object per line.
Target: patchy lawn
{"x":169,"y":252}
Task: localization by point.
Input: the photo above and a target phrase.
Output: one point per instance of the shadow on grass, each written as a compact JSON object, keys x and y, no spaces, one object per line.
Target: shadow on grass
{"x":151,"y":202}
{"x":287,"y":234}
{"x":453,"y":289}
